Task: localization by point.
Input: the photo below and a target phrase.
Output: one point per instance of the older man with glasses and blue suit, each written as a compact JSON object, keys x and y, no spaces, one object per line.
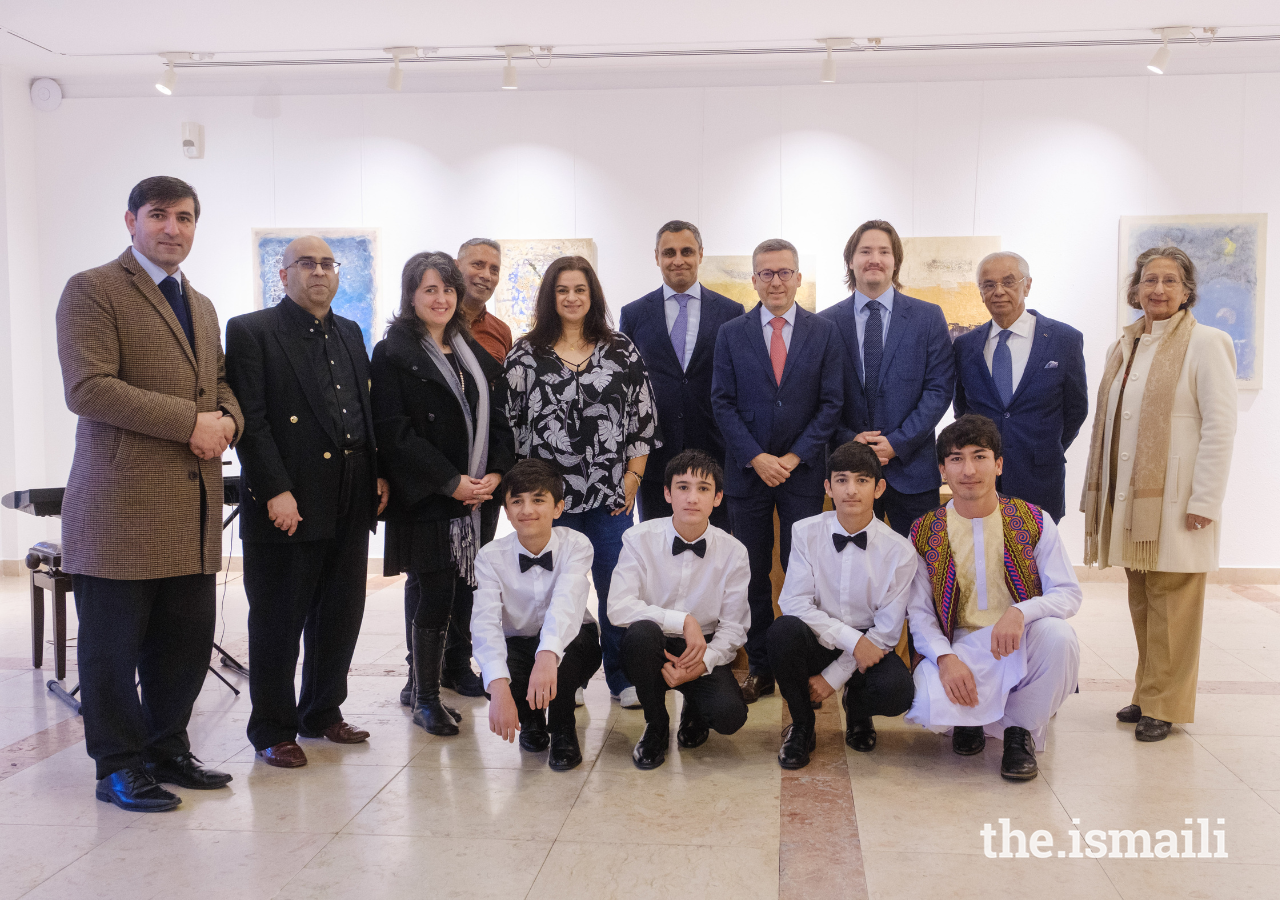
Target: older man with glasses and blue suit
{"x":1025,"y":372}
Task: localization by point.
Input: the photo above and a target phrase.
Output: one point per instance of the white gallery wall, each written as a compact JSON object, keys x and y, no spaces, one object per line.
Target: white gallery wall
{"x":1049,"y":166}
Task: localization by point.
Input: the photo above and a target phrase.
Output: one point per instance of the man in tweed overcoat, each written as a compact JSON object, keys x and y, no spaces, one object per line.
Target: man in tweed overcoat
{"x":142,"y":367}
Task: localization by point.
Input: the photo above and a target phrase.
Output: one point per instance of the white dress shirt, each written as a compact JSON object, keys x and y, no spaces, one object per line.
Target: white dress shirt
{"x":651,"y":583}
{"x":861,"y":313}
{"x":1060,"y":592}
{"x":766,"y":317}
{"x":1019,"y":344}
{"x":511,"y":603}
{"x":157,"y":274}
{"x":843,"y":595}
{"x":693,"y":309}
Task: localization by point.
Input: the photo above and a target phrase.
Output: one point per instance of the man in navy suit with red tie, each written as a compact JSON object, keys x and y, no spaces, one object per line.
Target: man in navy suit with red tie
{"x":1025,"y":372}
{"x":776,"y":392}
{"x":674,"y":328}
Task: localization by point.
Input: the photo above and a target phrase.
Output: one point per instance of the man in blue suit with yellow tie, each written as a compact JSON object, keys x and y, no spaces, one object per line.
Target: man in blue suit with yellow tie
{"x":674,"y":328}
{"x":776,"y":393}
{"x":1025,"y":372}
{"x":899,"y":373}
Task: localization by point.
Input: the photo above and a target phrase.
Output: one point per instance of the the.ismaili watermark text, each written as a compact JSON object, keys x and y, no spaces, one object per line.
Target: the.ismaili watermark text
{"x":1112,"y":843}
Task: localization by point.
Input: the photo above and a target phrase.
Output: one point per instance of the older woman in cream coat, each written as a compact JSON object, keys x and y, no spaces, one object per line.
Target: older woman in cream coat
{"x":1163,"y":430}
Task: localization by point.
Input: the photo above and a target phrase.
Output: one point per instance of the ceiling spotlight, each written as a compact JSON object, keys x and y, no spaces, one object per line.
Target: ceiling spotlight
{"x":828,"y":75}
{"x":509,"y":77}
{"x":395,"y":78}
{"x":168,"y":80}
{"x":1160,"y":62}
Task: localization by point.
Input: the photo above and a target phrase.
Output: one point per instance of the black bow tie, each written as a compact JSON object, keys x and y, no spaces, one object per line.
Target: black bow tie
{"x":699,"y":547}
{"x":844,"y":540}
{"x":528,"y":562}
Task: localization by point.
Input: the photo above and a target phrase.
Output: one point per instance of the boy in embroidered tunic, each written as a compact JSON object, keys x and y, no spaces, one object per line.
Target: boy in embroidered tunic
{"x":680,"y":589}
{"x":993,"y":590}
{"x":526,"y":622}
{"x":843,"y":608}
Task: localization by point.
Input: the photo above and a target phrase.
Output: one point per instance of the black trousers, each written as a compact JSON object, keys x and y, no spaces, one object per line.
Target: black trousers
{"x":885,"y":689}
{"x":653,"y":505}
{"x":752,"y":518}
{"x":716,"y":697}
{"x":903,"y":509}
{"x":315,"y":591}
{"x":580,"y":661}
{"x":162,"y":630}
{"x":429,"y":600}
{"x":457,"y":648}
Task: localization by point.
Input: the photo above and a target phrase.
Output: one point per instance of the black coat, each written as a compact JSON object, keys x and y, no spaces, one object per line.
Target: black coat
{"x":289,"y":442}
{"x":421,"y":429}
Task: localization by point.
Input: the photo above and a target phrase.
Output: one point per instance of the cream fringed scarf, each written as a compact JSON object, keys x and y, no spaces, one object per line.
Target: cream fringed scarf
{"x":1146,"y":485}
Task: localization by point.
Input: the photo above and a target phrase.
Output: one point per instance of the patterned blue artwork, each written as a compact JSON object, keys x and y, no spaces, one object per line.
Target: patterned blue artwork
{"x":1227,"y":251}
{"x":357,"y":278}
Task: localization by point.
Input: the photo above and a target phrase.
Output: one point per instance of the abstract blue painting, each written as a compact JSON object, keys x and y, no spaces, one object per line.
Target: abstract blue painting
{"x":357,"y":251}
{"x":1230,"y":254}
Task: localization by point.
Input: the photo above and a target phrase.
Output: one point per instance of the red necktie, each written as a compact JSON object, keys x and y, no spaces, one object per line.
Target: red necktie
{"x":777,"y":348}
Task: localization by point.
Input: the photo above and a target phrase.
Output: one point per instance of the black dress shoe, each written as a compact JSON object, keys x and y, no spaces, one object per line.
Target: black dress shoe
{"x":533,"y":733}
{"x":693,"y":730}
{"x":797,"y":743}
{"x":1130,"y":714}
{"x":464,"y":682}
{"x":651,"y":750}
{"x":1019,"y":760}
{"x":756,"y":686}
{"x":565,"y":752}
{"x":135,"y":790}
{"x":186,"y":771}
{"x":861,"y":735}
{"x":408,"y":693}
{"x":968,"y":740}
{"x":1150,"y":730}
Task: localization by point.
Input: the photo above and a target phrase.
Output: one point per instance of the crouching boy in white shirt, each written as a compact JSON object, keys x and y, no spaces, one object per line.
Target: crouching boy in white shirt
{"x":680,"y":589}
{"x":526,"y":623}
{"x":843,"y":605}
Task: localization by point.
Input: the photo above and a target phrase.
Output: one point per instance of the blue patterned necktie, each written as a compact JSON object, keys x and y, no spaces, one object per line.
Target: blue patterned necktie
{"x":173,"y":293}
{"x":1002,"y":368}
{"x":872,"y":352}
{"x":680,"y":329}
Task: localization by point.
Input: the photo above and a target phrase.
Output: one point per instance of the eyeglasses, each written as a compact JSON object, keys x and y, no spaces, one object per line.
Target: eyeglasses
{"x":783,"y":275}
{"x":987,"y":288}
{"x":1152,"y":281}
{"x":309,"y":265}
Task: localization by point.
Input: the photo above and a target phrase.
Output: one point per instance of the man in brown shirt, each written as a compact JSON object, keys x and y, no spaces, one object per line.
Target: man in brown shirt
{"x":480,"y":260}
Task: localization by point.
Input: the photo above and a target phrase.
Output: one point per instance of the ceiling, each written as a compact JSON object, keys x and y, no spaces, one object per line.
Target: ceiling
{"x":97,"y":48}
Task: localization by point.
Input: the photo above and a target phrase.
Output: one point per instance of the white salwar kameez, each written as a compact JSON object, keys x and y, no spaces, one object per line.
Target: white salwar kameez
{"x":1024,"y":689}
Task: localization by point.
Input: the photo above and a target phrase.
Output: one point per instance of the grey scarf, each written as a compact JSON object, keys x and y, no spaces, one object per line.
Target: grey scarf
{"x":464,"y":532}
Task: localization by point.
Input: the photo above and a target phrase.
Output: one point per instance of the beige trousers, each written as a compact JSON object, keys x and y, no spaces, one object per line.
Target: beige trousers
{"x":1167,"y":609}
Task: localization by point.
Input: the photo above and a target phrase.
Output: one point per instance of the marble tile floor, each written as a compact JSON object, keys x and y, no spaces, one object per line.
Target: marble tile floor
{"x":411,"y":815}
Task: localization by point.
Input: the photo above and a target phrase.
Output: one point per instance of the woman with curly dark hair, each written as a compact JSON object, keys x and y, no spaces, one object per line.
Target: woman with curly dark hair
{"x":443,"y":444}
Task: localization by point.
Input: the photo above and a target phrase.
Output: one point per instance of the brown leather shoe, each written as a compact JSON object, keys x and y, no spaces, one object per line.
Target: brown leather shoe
{"x":342,"y":733}
{"x":756,"y":686}
{"x":284,"y":755}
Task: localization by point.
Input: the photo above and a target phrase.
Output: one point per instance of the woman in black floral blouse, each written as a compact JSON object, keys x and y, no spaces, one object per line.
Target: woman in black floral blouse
{"x":578,"y":396}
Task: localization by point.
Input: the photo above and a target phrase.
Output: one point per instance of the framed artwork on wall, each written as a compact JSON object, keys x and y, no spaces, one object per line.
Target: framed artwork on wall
{"x":1230,"y":254}
{"x":523,"y":263}
{"x":731,"y":276}
{"x":356,"y":249}
{"x":944,"y":270}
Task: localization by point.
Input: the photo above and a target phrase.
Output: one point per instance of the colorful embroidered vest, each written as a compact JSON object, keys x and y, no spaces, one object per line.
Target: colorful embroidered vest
{"x":1022,"y":523}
